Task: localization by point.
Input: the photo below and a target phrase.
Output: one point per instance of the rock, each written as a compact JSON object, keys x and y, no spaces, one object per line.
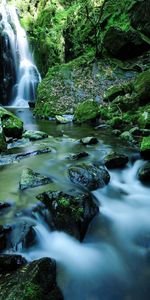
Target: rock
{"x":145,"y":147}
{"x":71,"y":214}
{"x":127,"y":136}
{"x":30,"y":179}
{"x":136,"y":131}
{"x":144,"y":173}
{"x":3,"y":145}
{"x":4,"y":230}
{"x":11,"y":262}
{"x":12,"y":125}
{"x":139,"y":16}
{"x":89,"y":140}
{"x":22,"y":235}
{"x":35,"y":280}
{"x":34,"y":135}
{"x":20,"y":156}
{"x":116,"y":90}
{"x":142,"y":87}
{"x":62,"y":120}
{"x":115,"y":160}
{"x":86,"y":111}
{"x":124,"y":44}
{"x":4,"y":205}
{"x":31,"y":104}
{"x":89,"y":176}
{"x":116,"y":122}
{"x":79,"y":155}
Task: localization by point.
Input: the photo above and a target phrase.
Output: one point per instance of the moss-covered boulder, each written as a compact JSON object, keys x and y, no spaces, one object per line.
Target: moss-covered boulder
{"x":145,"y":147}
{"x":116,"y":90}
{"x":115,"y":160}
{"x":34,"y":135}
{"x":142,"y":87}
{"x":89,"y":176}
{"x":30,"y":179}
{"x":124,"y":44}
{"x":144,"y":173}
{"x":3,"y":145}
{"x":139,"y":16}
{"x":86,"y":111}
{"x":71,"y":214}
{"x":35,"y":280}
{"x":12,"y":125}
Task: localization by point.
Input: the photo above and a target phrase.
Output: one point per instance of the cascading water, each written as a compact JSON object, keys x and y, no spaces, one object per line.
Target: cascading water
{"x":26,"y":75}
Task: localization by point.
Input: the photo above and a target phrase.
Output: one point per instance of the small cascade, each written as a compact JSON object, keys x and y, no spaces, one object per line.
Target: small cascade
{"x":25,"y":74}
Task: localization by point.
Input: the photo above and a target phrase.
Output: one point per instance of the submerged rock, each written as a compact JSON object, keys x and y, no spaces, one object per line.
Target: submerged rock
{"x":71,"y":214}
{"x":77,"y":156}
{"x":145,"y":147}
{"x":89,"y":140}
{"x":115,"y":160}
{"x":32,"y":281}
{"x":86,"y":111}
{"x":30,"y":179}
{"x":89,"y":176}
{"x":144,"y":173}
{"x":34,"y":135}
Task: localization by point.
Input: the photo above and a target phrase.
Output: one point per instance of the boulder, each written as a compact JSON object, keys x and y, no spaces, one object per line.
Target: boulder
{"x":115,"y":160}
{"x":30,"y":179}
{"x":32,"y":281}
{"x":12,"y":125}
{"x":71,"y":214}
{"x":124,"y":44}
{"x":3,"y":145}
{"x":142,"y":87}
{"x":34,"y":135}
{"x":145,"y":147}
{"x":89,"y":140}
{"x":11,"y":262}
{"x":89,"y":176}
{"x":116,"y":90}
{"x":86,"y":111}
{"x":139,"y":16}
{"x":127,"y":136}
{"x":144,"y":173}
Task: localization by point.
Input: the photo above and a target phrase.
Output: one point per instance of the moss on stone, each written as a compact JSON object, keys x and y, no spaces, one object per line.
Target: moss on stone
{"x":145,"y":144}
{"x":86,"y":111}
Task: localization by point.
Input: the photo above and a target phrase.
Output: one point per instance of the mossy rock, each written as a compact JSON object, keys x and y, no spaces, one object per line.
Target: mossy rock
{"x":142,"y":87}
{"x":86,"y":111}
{"x":12,"y":125}
{"x":3,"y":145}
{"x":117,"y":90}
{"x":144,"y":173}
{"x":71,"y":214}
{"x":115,"y":160}
{"x":145,"y":147}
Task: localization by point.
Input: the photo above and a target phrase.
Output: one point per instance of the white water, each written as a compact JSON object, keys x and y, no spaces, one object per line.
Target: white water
{"x":108,"y":263}
{"x":26,"y":72}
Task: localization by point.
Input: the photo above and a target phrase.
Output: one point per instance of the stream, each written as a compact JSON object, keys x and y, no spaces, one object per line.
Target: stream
{"x":113,"y":260}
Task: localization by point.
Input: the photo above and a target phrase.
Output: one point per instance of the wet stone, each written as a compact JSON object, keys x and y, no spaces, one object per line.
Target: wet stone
{"x":30,"y":179}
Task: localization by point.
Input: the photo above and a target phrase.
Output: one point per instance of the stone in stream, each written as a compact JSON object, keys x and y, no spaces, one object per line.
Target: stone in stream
{"x":115,"y":160}
{"x":86,"y":111}
{"x":89,"y":140}
{"x":77,"y":156}
{"x":62,"y":120}
{"x":32,"y":281}
{"x":71,"y":214}
{"x":89,"y":176}
{"x":145,"y":148}
{"x":34,"y":135}
{"x":144,"y":173}
{"x":30,"y":179}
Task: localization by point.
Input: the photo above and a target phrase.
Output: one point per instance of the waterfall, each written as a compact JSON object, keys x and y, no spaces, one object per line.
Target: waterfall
{"x":25,"y":74}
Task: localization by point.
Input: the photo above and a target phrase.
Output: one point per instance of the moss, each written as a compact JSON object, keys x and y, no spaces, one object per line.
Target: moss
{"x":64,"y":202}
{"x":142,"y":87}
{"x":32,"y":292}
{"x":145,"y":144}
{"x":88,"y":110}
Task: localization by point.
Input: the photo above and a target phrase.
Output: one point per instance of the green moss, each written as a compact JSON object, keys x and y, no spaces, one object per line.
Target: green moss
{"x":142,"y":87}
{"x":32,"y":292}
{"x":145,"y":144}
{"x":85,"y":111}
{"x":64,"y":202}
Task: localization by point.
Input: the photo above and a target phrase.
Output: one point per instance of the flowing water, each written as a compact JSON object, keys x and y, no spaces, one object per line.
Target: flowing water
{"x":26,"y":72}
{"x":112,"y":263}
